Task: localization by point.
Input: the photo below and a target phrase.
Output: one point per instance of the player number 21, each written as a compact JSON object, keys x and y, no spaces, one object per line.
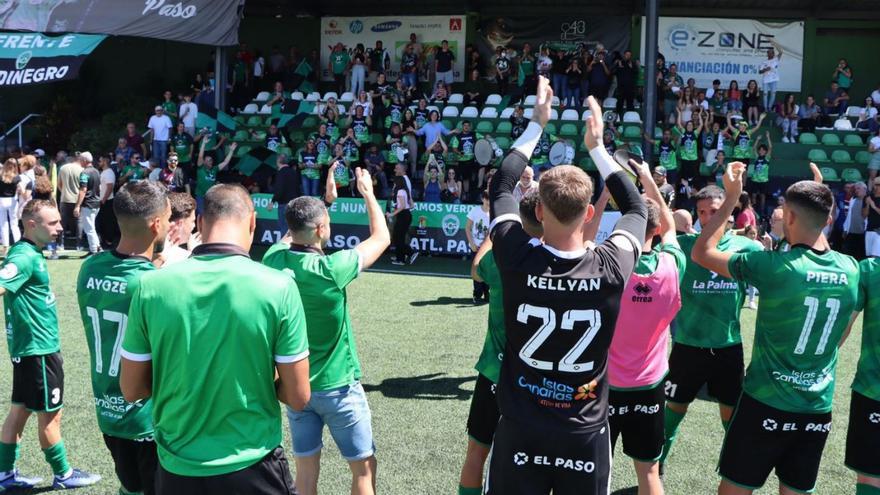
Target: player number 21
{"x":812,"y":305}
{"x":568,"y":363}
{"x":121,"y":321}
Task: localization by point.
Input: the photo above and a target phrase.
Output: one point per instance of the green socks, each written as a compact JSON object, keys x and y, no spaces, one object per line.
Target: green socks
{"x":862,"y":489}
{"x":8,"y":456}
{"x":471,"y":491}
{"x":671,"y":422}
{"x":56,"y":456}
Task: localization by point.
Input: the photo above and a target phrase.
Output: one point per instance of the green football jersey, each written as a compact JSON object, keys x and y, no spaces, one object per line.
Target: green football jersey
{"x":182,"y":145}
{"x":104,"y":287}
{"x":31,"y":317}
{"x":213,"y":343}
{"x":806,"y":300}
{"x":688,"y":146}
{"x":322,"y":279}
{"x":710,"y":303}
{"x":759,"y":169}
{"x":867,"y":381}
{"x":489,"y":363}
{"x":742,"y":145}
{"x":205,"y":179}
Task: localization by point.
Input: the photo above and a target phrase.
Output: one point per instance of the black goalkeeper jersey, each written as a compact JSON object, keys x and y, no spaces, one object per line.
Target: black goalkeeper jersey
{"x":560,"y":312}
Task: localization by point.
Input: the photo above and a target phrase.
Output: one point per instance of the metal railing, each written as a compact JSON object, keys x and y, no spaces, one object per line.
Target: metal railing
{"x":18,"y":127}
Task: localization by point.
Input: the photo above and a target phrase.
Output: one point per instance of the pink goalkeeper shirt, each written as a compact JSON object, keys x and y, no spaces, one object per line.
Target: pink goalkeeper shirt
{"x":637,"y":357}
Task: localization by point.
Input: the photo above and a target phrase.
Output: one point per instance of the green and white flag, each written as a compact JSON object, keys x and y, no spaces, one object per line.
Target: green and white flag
{"x":34,"y":58}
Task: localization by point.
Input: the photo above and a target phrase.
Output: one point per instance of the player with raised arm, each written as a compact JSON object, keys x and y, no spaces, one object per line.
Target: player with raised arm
{"x":104,"y":287}
{"x":483,"y":415}
{"x":561,"y":302}
{"x":707,"y":345}
{"x":784,"y":414}
{"x":637,"y":361}
{"x":863,"y":433}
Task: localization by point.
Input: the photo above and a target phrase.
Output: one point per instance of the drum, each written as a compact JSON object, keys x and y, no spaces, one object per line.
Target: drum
{"x":486,"y":151}
{"x":561,"y":153}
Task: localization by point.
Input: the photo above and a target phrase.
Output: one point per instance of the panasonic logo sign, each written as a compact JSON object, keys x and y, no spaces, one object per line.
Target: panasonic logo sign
{"x":383,"y":27}
{"x":171,"y":10}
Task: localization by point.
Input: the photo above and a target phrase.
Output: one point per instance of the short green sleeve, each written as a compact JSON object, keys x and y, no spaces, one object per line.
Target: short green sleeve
{"x":746,"y":267}
{"x":865,"y":270}
{"x":136,"y":345}
{"x":344,"y":266}
{"x":15,"y":272}
{"x":292,"y":344}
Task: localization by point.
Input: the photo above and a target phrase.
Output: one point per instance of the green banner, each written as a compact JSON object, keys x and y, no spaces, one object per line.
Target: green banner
{"x":33,"y":58}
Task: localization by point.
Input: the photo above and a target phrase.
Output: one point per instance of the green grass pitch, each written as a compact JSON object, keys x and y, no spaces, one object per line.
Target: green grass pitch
{"x":418,"y":338}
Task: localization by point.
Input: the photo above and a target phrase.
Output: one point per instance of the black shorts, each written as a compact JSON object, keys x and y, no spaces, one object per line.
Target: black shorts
{"x":762,"y":438}
{"x":465,"y":169}
{"x":637,"y":416}
{"x":529,"y":461}
{"x":135,"y":462}
{"x":38,"y":382}
{"x":863,"y":436}
{"x":483,"y":416}
{"x":269,"y":476}
{"x":758,"y":187}
{"x":721,"y":369}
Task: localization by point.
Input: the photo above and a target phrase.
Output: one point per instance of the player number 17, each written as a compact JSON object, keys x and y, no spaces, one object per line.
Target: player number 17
{"x":568,"y":363}
{"x":121,"y":320}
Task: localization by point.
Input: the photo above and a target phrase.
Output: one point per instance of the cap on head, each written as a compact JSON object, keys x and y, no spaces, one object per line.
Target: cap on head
{"x":86,"y":157}
{"x":660,"y":170}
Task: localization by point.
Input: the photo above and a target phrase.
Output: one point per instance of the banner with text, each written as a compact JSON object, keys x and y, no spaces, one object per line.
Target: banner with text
{"x":568,"y":33}
{"x":730,"y":49}
{"x":207,"y":22}
{"x":33,"y":58}
{"x":437,"y":228}
{"x":394,"y":32}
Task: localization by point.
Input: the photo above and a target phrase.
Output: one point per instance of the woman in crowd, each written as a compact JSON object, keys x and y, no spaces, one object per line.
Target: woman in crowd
{"x":441,"y":93}
{"x":473,"y":90}
{"x":402,"y":218}
{"x":342,"y":174}
{"x":788,"y":119}
{"x":734,"y":98}
{"x":434,"y":186}
{"x":358,"y":70}
{"x":330,"y":119}
{"x":746,"y":215}
{"x":574,"y":75}
{"x":364,"y":101}
{"x":868,"y":116}
{"x":752,"y":102}
{"x":687,"y":105}
{"x":843,"y":75}
{"x":310,"y":170}
{"x":11,"y":190}
{"x":452,"y":190}
{"x":874,"y":149}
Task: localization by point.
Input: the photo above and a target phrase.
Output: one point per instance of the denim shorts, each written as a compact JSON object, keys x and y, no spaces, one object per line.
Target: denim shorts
{"x":346,"y":412}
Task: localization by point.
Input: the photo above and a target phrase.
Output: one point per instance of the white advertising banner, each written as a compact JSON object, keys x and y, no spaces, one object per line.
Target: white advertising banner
{"x":730,"y":49}
{"x":394,"y":34}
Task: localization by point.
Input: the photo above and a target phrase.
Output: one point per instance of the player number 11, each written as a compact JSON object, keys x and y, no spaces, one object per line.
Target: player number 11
{"x":812,"y":305}
{"x":121,"y":321}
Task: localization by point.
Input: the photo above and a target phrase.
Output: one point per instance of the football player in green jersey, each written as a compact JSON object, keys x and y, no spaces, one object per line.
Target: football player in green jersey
{"x":104,"y":288}
{"x":863,"y":433}
{"x":784,"y":414}
{"x":217,"y":423}
{"x":338,"y":399}
{"x":707,"y":346}
{"x":32,"y":335}
{"x":483,"y":415}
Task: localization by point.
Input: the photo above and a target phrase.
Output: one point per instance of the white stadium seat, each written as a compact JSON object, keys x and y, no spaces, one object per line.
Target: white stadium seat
{"x":843,"y":125}
{"x":555,"y":101}
{"x":262,"y":96}
{"x":632,"y":118}
{"x":297,"y":95}
{"x":489,"y":113}
{"x":530,"y":101}
{"x":450,"y":111}
{"x":456,"y":99}
{"x":341,"y":109}
{"x":251,"y":108}
{"x":266,"y":110}
{"x":313,"y":96}
{"x":433,"y":108}
{"x":586,"y":114}
{"x":347,"y":96}
{"x":853,"y":111}
{"x":569,"y":114}
{"x":527,"y":113}
{"x":554,"y":115}
{"x":470,"y":112}
{"x":506,"y":113}
{"x":493,"y":99}
{"x":609,"y":103}
{"x":330,"y":94}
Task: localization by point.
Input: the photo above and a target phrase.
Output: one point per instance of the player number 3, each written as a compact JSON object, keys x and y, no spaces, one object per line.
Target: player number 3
{"x":548,"y":317}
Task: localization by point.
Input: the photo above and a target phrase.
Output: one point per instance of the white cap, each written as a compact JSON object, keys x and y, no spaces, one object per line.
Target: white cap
{"x":39,"y":152}
{"x":85,"y":156}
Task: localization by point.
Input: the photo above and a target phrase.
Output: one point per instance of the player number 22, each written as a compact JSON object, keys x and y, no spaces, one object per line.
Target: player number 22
{"x":568,"y":363}
{"x":812,"y":305}
{"x":121,"y":321}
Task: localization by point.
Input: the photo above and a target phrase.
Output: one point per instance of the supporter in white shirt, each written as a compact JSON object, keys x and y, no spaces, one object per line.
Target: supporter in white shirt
{"x":161,"y":126}
{"x":770,"y":69}
{"x":189,"y":112}
{"x":526,"y":185}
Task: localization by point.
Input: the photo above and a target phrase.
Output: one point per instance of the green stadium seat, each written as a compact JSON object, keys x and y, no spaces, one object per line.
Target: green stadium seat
{"x":632,"y":132}
{"x":284,"y":150}
{"x":550,"y":128}
{"x":841,"y":156}
{"x":485,"y":127}
{"x":240,"y":119}
{"x":568,"y":130}
{"x":728,"y":152}
{"x":831,"y":140}
{"x":309,"y":122}
{"x":242,"y":150}
{"x":504,"y":127}
{"x":503,"y":142}
{"x":817,"y":155}
{"x":255,"y":121}
{"x":863,"y":157}
{"x":658,"y":132}
{"x":829,"y":174}
{"x":259,"y":136}
{"x":851,"y":175}
{"x":808,"y":138}
{"x":241,"y":135}
{"x":853,"y":140}
{"x":447,"y":124}
{"x":297,"y":137}
{"x":586,"y":163}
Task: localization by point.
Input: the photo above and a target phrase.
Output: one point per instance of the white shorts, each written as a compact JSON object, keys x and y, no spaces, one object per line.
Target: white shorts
{"x":872,"y":244}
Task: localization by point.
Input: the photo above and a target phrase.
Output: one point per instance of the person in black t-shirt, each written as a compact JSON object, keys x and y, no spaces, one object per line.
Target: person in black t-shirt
{"x":518,"y":122}
{"x":502,"y":69}
{"x":561,"y":301}
{"x":443,"y":64}
{"x":627,"y":72}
